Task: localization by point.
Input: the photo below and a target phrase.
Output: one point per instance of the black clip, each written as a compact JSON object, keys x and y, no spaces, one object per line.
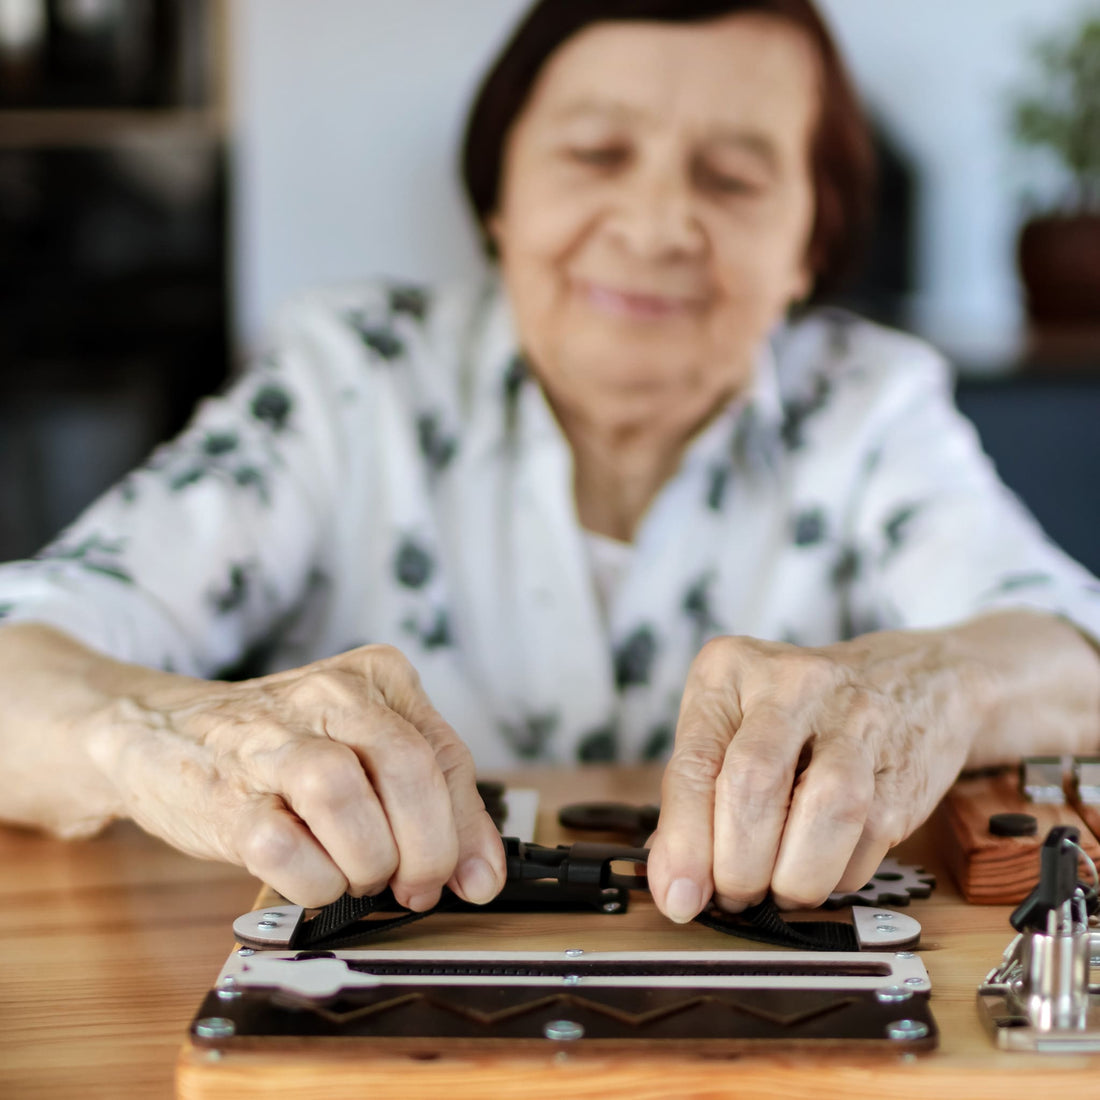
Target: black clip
{"x":1058,"y":882}
{"x":570,"y":875}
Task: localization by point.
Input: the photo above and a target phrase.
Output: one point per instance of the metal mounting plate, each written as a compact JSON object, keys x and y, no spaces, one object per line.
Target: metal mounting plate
{"x":721,"y":1001}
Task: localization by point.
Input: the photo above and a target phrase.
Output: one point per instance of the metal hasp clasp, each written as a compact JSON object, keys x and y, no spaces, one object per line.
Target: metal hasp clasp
{"x":1040,"y":997}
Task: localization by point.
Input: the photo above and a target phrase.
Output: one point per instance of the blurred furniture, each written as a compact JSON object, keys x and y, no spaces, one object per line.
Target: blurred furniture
{"x":113,"y":253}
{"x":1039,"y":420}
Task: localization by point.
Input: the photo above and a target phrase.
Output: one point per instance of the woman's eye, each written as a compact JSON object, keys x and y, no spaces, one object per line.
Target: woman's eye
{"x":728,"y":184}
{"x":598,"y":156}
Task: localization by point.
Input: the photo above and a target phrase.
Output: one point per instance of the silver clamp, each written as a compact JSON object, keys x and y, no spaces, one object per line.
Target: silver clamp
{"x":1039,"y":998}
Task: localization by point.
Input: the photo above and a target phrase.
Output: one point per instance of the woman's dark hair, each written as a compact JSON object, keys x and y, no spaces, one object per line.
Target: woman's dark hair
{"x":842,"y":161}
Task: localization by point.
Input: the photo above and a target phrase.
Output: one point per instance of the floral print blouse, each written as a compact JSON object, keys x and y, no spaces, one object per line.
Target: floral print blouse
{"x":388,"y":470}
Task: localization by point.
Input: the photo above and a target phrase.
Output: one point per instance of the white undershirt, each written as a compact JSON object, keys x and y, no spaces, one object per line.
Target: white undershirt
{"x":609,"y":560}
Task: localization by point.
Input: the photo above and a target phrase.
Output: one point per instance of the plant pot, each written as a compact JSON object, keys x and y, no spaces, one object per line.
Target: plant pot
{"x":1059,"y":258}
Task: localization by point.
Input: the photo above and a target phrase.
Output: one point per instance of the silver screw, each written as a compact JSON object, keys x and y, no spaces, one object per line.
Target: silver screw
{"x":904,"y":955}
{"x":892,"y":994}
{"x":573,"y":952}
{"x":246,"y":951}
{"x":612,"y":906}
{"x":878,"y":916}
{"x":267,"y":925}
{"x":886,"y":928}
{"x":914,"y":981}
{"x":272,"y":916}
{"x":571,"y":979}
{"x":906,"y":1029}
{"x":609,"y":891}
{"x":563,"y":1030}
{"x":214,"y":1027}
{"x":227,"y":988}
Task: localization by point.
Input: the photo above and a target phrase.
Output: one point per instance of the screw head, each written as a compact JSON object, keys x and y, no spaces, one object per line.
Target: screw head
{"x":267,"y":925}
{"x":573,"y":952}
{"x":906,"y":1029}
{"x":246,"y":951}
{"x":892,"y":994}
{"x":273,"y":916}
{"x":904,"y":955}
{"x":214,"y":1027}
{"x":571,"y":979}
{"x":914,"y":981}
{"x":227,"y":988}
{"x":886,"y":927}
{"x":611,"y":906}
{"x":563,"y":1031}
{"x":879,"y":916}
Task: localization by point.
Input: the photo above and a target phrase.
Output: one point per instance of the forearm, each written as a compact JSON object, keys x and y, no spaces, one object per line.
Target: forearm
{"x":54,"y":771}
{"x":1014,"y":683}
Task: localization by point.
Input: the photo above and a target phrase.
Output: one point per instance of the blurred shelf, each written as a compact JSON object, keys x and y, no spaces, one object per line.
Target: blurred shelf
{"x":55,"y":128}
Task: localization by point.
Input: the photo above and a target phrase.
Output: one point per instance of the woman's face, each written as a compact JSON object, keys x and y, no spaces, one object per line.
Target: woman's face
{"x":656,"y":208}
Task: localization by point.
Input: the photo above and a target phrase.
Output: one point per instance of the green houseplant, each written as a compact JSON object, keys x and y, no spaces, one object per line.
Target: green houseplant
{"x":1059,"y":116}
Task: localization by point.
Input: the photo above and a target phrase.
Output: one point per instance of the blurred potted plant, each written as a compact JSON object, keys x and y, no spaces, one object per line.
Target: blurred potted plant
{"x":1059,"y":247}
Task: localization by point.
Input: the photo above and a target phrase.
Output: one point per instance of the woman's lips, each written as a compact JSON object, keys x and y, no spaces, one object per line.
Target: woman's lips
{"x":629,"y":303}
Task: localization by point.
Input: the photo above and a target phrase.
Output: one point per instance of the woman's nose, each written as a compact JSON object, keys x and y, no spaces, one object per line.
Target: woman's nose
{"x":654,"y":215}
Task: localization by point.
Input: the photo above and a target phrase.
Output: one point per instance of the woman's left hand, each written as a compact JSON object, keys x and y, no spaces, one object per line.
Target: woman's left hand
{"x":796,"y":769}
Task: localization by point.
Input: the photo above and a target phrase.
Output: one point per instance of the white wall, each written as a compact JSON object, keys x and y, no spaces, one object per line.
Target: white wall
{"x":348,"y":116}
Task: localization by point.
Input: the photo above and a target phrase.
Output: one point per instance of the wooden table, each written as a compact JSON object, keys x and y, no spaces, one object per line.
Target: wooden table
{"x":111,"y":944}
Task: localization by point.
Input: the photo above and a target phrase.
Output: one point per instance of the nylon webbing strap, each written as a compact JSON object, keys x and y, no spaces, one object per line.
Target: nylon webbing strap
{"x":346,"y":915}
{"x":342,"y":924}
{"x":764,"y":924}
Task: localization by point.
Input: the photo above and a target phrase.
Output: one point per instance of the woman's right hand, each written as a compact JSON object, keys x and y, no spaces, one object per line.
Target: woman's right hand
{"x":340,"y":775}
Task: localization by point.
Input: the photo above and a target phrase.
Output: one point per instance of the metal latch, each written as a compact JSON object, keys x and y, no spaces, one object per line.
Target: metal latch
{"x":1040,"y":997}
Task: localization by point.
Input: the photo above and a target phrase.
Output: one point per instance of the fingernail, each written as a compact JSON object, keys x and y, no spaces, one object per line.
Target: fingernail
{"x":683,"y":900}
{"x":477,"y":881}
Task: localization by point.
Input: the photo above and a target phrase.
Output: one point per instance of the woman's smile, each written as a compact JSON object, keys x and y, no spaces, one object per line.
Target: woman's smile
{"x":637,"y":305}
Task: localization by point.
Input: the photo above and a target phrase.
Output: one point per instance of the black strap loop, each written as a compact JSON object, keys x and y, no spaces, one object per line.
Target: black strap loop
{"x":342,"y":924}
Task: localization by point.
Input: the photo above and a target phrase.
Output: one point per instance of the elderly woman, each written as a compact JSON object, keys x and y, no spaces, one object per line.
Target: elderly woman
{"x":632,"y":499}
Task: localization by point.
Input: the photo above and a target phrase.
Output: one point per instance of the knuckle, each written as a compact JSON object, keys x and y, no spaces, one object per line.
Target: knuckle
{"x":428,"y":868}
{"x":845,"y":774}
{"x":809,"y":674}
{"x":390,"y":664}
{"x":694,"y":767}
{"x":268,"y":844}
{"x":718,"y":659}
{"x":886,"y":825}
{"x":455,"y":760}
{"x":323,"y":774}
{"x":379,"y":867}
{"x":405,"y":757}
{"x":763,"y":777}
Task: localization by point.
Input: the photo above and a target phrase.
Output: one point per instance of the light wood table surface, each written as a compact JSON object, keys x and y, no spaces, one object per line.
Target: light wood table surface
{"x":109,"y":946}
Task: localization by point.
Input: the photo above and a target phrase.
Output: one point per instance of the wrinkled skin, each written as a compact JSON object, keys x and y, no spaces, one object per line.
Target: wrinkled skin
{"x":337,"y":776}
{"x":795,"y":770}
